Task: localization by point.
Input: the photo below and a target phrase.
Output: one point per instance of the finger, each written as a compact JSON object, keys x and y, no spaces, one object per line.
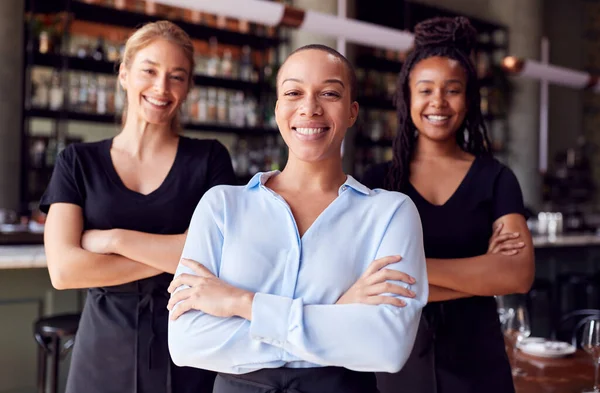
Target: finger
{"x":511,"y":246}
{"x":380,"y":263}
{"x":501,"y":239}
{"x":197,"y":267}
{"x":508,"y":247}
{"x":388,"y":287}
{"x":513,"y":252}
{"x":184,"y":279}
{"x":376,"y":300}
{"x":498,"y":229}
{"x":389,"y":274}
{"x":179,"y":296}
{"x":181,"y":309}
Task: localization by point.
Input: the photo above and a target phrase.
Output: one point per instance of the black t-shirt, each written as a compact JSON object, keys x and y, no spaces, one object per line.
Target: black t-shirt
{"x":465,"y":332}
{"x":85,"y":176}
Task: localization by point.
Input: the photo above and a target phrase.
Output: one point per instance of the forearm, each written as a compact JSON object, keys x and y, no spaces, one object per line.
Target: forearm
{"x":484,"y":275}
{"x":161,"y":252}
{"x":74,"y":268}
{"x":439,"y":294}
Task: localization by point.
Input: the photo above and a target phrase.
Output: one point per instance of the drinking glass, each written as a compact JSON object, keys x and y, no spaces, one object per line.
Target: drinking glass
{"x":516,"y":327}
{"x":590,"y":342}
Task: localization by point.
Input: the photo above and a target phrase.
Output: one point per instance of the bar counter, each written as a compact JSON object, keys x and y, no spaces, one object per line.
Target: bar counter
{"x":32,"y":255}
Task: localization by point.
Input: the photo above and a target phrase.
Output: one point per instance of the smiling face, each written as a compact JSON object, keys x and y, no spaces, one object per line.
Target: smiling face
{"x":438,"y":101}
{"x":157,"y":82}
{"x":314,"y":108}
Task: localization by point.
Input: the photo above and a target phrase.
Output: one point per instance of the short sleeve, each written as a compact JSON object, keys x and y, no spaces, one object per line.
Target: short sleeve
{"x":220,"y":168}
{"x":66,"y":184}
{"x":508,"y":197}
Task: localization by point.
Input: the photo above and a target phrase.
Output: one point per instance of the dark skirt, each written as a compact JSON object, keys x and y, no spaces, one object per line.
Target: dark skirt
{"x":121,"y":344}
{"x":297,"y":380}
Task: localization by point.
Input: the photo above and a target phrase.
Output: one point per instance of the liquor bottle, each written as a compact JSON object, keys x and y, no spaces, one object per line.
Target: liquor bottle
{"x":56,"y":92}
{"x":98,"y":53}
{"x":246,"y":64}
{"x":212,"y":66}
{"x":101,"y":100}
{"x":226,"y":64}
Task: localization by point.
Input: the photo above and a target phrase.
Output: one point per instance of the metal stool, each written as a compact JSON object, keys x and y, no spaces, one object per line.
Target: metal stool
{"x":49,"y":332}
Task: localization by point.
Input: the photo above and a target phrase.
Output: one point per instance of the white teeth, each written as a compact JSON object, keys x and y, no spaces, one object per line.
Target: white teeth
{"x":437,"y":118}
{"x":156,"y":102}
{"x":310,"y":131}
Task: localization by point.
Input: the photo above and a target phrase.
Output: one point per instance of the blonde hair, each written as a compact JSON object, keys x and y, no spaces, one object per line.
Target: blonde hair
{"x":147,"y":34}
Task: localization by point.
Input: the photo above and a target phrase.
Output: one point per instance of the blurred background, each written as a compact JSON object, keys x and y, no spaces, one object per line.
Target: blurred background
{"x":58,"y":67}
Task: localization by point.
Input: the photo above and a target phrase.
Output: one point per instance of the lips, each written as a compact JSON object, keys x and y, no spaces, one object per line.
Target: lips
{"x":157,"y":102}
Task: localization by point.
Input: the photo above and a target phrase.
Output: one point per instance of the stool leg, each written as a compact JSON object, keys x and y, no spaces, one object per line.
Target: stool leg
{"x":54,"y":365}
{"x":42,"y":358}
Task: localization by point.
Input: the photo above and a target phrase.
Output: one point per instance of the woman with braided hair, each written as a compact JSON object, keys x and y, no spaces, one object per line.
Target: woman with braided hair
{"x":476,"y":239}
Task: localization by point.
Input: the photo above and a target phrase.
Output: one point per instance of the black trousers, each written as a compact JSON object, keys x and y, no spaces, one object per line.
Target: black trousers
{"x":297,"y":380}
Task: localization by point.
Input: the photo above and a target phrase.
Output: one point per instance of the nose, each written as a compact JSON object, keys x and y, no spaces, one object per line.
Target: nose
{"x":310,"y":106}
{"x":161,"y":84}
{"x":438,"y":99}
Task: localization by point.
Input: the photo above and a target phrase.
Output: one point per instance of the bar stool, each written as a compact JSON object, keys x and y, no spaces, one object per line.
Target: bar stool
{"x":571,"y":324}
{"x":49,"y":333}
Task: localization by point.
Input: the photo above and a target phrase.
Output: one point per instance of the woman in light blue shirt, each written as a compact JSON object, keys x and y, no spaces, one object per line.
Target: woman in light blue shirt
{"x":276,"y":289}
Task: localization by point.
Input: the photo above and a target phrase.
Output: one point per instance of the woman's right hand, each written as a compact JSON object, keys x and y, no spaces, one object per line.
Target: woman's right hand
{"x":374,"y":282}
{"x":504,"y":243}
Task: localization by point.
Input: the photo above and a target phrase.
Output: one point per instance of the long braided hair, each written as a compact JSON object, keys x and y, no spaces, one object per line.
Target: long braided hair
{"x":453,"y":38}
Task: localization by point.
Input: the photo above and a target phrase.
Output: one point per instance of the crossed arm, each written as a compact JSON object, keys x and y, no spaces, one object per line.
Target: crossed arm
{"x":103,"y":258}
{"x":508,"y":266}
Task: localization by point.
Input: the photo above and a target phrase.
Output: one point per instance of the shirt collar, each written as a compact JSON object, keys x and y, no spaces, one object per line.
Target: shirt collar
{"x":357,"y":186}
{"x":261,"y":178}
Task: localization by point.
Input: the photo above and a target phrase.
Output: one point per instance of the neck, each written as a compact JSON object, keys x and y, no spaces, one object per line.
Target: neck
{"x":139,"y":138}
{"x":428,"y":149}
{"x":323,"y":176}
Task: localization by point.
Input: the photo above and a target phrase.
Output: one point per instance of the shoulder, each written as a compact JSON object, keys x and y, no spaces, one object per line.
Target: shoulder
{"x":83,"y":151}
{"x":224,"y":194}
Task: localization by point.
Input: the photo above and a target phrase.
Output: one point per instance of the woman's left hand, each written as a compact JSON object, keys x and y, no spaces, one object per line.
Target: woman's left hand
{"x":208,"y":294}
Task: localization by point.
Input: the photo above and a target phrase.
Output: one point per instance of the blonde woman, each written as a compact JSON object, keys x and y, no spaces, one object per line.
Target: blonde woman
{"x":118,"y":211}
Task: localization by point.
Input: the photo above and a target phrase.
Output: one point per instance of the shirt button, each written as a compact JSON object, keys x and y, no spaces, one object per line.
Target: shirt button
{"x":344,"y":188}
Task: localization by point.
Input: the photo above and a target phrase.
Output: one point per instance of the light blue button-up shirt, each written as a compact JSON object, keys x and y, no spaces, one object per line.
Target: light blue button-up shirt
{"x":247,"y":236}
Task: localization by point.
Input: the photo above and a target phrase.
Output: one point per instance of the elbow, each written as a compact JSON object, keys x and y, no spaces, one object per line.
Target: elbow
{"x":525,"y":274}
{"x":59,"y":276}
{"x":394,"y":361}
{"x":62,"y":274}
{"x":177,"y":350}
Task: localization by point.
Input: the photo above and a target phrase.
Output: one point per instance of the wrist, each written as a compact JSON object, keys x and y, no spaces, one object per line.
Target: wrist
{"x":243,"y":305}
{"x":115,"y":241}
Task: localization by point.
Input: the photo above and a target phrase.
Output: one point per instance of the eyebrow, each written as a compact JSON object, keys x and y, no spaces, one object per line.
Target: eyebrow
{"x":325,"y":81}
{"x":446,"y":82}
{"x":148,"y":61}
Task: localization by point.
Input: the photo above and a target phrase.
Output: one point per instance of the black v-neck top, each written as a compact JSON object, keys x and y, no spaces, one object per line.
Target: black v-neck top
{"x":462,"y":337}
{"x":85,"y":176}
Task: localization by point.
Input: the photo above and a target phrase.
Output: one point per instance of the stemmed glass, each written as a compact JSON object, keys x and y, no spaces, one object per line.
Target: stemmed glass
{"x":516,"y":327}
{"x":590,"y":342}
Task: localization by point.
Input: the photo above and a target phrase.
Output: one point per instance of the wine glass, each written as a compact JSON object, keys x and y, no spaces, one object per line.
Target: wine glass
{"x":516,"y":327}
{"x":590,"y":342}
